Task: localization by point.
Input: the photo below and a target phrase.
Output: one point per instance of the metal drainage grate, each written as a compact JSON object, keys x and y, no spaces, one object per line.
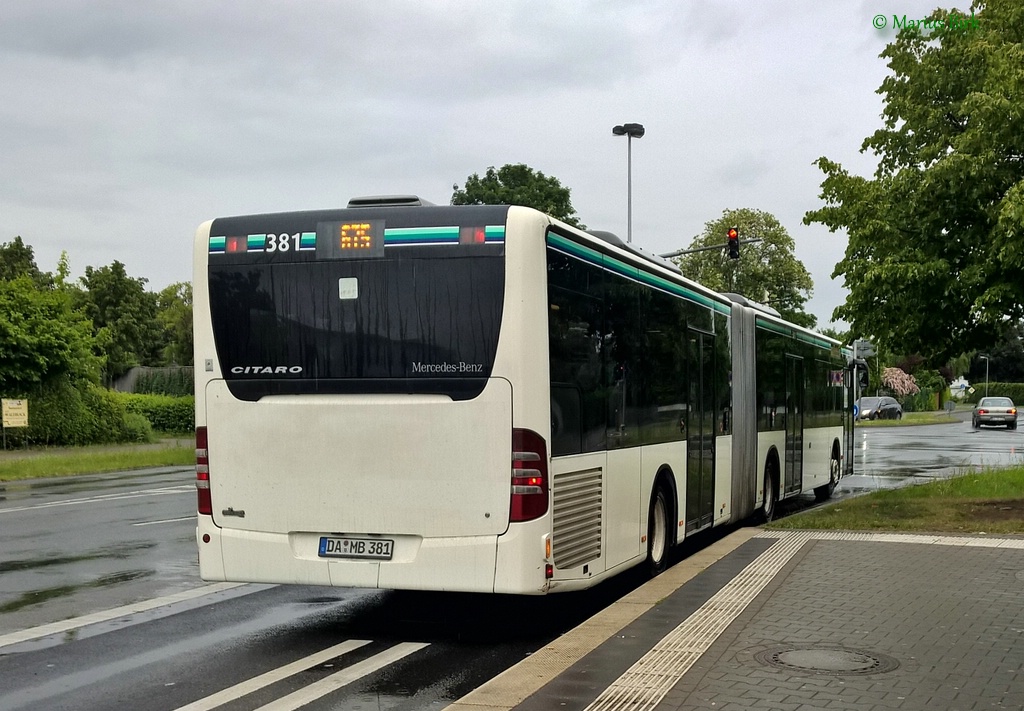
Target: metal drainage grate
{"x":835,"y":661}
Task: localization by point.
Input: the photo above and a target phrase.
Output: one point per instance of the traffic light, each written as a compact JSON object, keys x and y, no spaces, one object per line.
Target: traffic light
{"x":734,"y":243}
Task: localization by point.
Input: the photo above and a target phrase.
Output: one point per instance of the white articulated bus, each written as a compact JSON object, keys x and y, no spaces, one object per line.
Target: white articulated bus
{"x":484,"y":399}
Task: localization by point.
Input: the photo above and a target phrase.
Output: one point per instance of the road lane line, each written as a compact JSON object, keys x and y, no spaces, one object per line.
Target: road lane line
{"x":273,"y":676}
{"x":105,"y":615}
{"x":311,"y":693}
{"x":164,"y":491}
{"x":166,"y":520}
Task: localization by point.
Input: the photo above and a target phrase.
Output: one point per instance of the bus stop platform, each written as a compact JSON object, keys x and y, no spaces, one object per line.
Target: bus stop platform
{"x":795,"y":620}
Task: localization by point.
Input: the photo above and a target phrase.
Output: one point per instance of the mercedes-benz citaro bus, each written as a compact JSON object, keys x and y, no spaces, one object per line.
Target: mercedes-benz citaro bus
{"x":484,"y":399}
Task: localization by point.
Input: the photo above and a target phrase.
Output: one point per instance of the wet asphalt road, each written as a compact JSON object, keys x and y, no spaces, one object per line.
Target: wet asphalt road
{"x":76,"y":546}
{"x":886,"y":457}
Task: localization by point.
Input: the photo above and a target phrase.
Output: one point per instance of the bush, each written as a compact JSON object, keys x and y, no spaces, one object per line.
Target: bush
{"x":1014,"y":391}
{"x":64,"y":413}
{"x":924,"y":401}
{"x":164,"y":412}
{"x":138,"y":428}
{"x":107,"y":415}
{"x":176,"y":381}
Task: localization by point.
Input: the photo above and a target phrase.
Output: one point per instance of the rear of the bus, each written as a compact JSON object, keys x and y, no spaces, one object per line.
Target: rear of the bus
{"x":351,"y":427}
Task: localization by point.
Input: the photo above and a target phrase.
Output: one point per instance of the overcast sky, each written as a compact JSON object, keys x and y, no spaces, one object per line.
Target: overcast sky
{"x":125,"y":124}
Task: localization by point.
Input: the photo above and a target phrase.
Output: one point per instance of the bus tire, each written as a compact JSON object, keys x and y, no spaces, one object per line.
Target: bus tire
{"x":770,"y":494}
{"x":824,"y":492}
{"x":658,"y":533}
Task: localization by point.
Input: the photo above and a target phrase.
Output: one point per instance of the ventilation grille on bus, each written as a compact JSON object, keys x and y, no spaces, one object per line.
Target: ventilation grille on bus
{"x":578,"y":513}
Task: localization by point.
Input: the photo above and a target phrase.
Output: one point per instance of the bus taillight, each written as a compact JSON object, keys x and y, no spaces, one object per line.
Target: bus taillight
{"x":529,"y":476}
{"x":204,"y":503}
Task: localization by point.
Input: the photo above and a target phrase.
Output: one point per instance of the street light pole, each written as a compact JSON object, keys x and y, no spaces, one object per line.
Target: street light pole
{"x":986,"y":375}
{"x":630,"y":131}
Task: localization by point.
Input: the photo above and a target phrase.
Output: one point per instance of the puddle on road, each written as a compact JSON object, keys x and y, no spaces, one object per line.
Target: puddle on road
{"x":121,"y":552}
{"x":87,"y":483}
{"x":35,"y":597}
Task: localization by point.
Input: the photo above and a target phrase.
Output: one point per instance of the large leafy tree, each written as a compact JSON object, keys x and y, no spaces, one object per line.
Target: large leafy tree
{"x":124,"y":317}
{"x":935,"y":259}
{"x":18,"y":259}
{"x":174,"y":312}
{"x":42,"y":337}
{"x":766,"y":272}
{"x":518,"y":184}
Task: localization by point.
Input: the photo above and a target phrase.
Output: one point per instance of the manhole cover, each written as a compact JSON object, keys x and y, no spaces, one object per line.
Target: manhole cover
{"x":827,"y":660}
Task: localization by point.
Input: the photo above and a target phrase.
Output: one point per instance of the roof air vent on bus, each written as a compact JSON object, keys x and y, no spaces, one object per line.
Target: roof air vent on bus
{"x":388,"y":201}
{"x":612,"y":238}
{"x":609,"y":237}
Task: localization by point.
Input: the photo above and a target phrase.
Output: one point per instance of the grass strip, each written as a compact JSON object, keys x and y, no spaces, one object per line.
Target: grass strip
{"x":49,"y":465}
{"x":990,"y":501}
{"x":912,"y":418}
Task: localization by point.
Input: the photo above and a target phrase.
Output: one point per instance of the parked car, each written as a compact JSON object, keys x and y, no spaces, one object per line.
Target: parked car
{"x":995,"y":411}
{"x":879,"y":408}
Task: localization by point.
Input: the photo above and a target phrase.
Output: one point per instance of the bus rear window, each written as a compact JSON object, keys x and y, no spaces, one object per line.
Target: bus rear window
{"x":418,"y":320}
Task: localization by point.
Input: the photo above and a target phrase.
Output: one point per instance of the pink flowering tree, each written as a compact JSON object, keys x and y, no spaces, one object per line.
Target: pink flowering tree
{"x":899,"y":382}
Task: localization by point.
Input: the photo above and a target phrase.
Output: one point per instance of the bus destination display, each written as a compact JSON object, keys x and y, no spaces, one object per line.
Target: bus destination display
{"x":332,"y":240}
{"x":345,"y":240}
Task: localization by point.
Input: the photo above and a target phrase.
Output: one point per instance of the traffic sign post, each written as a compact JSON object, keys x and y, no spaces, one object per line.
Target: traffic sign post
{"x":13,"y":413}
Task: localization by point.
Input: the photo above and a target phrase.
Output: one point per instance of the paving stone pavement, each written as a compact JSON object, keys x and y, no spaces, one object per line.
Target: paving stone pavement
{"x":951,"y":617}
{"x":796,"y":621}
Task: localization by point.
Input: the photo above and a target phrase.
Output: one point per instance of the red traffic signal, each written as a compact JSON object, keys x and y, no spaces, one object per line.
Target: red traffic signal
{"x":733,"y":245}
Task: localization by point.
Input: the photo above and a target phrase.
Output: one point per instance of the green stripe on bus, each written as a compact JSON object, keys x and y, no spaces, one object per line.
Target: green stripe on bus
{"x":398,"y":235}
{"x":793,"y":333}
{"x":628,"y":270}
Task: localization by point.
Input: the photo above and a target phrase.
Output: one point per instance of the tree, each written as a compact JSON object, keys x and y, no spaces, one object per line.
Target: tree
{"x":174,"y":312}
{"x":124,"y":318}
{"x":17,"y":259}
{"x":1005,"y":359}
{"x":899,"y":382}
{"x":518,"y":184}
{"x":766,"y":272}
{"x":41,"y":337}
{"x":933,"y":263}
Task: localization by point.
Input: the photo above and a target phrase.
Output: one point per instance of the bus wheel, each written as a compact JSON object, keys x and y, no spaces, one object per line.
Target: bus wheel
{"x":657,"y":533}
{"x":771,"y":495}
{"x":824,"y":492}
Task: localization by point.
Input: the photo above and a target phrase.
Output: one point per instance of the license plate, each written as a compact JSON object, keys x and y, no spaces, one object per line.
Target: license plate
{"x":346,"y":547}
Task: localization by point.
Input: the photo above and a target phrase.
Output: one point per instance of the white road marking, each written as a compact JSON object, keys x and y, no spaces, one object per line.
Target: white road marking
{"x":311,"y":693}
{"x":183,"y":489}
{"x":273,"y":676}
{"x":105,"y":615}
{"x":166,"y":520}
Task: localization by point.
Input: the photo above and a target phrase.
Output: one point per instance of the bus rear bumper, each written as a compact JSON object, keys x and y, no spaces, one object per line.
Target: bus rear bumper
{"x":464,"y":564}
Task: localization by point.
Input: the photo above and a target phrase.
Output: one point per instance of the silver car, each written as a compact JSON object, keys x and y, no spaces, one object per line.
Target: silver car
{"x":995,"y":411}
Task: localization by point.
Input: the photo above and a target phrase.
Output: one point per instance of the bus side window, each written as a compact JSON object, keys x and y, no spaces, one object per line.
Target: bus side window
{"x":566,"y":424}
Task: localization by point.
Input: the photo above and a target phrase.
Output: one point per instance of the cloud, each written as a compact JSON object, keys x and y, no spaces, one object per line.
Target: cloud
{"x":125,"y":125}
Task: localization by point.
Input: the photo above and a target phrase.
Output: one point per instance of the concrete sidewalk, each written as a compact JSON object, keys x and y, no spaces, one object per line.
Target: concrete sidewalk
{"x":800,"y":621}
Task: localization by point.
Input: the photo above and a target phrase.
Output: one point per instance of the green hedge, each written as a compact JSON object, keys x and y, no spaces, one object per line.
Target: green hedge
{"x":1014,"y":391}
{"x":165,"y":381}
{"x":164,"y":412}
{"x":63,"y":413}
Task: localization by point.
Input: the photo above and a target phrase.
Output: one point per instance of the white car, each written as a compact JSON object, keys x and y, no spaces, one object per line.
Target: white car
{"x":995,"y":411}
